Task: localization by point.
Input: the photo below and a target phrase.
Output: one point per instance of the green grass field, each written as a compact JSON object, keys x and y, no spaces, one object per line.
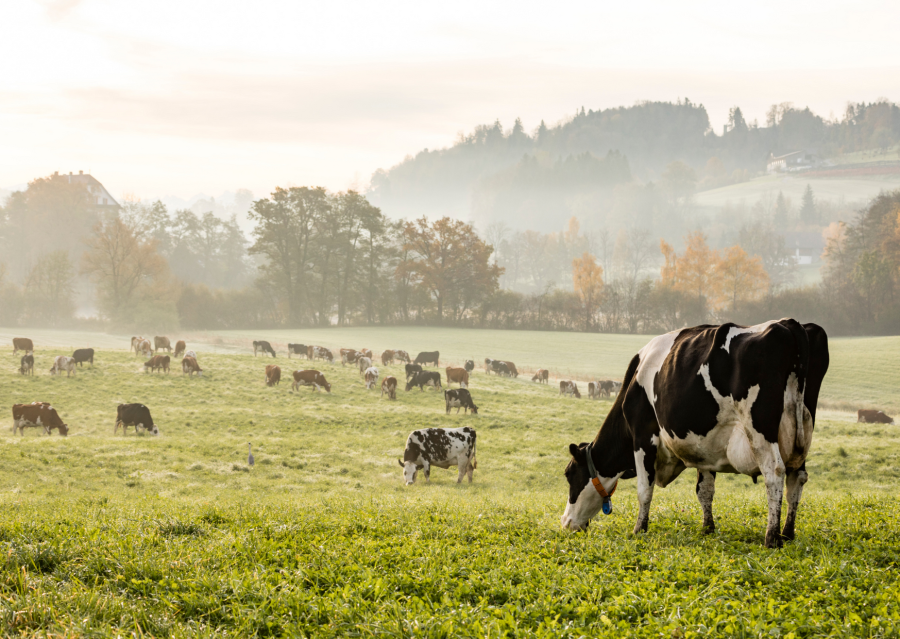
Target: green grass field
{"x":105,"y":535}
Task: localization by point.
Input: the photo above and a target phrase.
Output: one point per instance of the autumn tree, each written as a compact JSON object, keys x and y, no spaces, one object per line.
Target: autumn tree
{"x":740,"y":277}
{"x":587,"y":277}
{"x":693,"y":272}
{"x":450,"y":262}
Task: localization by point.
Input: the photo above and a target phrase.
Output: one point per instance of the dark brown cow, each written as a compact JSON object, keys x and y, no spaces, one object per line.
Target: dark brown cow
{"x":513,"y":371}
{"x":458,"y":375}
{"x":387,"y":357}
{"x":180,"y":348}
{"x":157,"y":363}
{"x":189,"y":366}
{"x":869,"y":416}
{"x":37,"y":414}
{"x":22,"y":344}
{"x":310,"y":378}
{"x":350,"y":356}
{"x":389,"y":386}
{"x":542,"y":376}
{"x":273,"y":375}
{"x":162,"y":343}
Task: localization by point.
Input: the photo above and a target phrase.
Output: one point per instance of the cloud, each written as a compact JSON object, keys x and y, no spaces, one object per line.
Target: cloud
{"x":57,"y":10}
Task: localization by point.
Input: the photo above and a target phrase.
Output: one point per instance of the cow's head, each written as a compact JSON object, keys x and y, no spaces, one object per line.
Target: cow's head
{"x":63,"y":429}
{"x":410,"y":470}
{"x":584,"y":501}
{"x":409,"y":385}
{"x":474,"y":408}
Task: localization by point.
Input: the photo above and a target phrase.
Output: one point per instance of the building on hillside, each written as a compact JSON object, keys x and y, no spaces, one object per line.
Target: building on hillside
{"x":796,"y":161}
{"x":806,"y":246}
{"x":98,"y":192}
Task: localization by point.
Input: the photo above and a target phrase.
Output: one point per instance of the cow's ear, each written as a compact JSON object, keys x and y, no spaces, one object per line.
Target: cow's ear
{"x":573,"y":449}
{"x":401,"y":464}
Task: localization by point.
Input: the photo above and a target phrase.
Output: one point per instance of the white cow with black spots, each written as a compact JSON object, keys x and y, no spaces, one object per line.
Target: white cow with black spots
{"x":441,"y":447}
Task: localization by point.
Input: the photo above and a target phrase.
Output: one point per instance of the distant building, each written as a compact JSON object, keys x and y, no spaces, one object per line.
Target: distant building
{"x":806,"y":246}
{"x":98,"y":192}
{"x":796,"y":161}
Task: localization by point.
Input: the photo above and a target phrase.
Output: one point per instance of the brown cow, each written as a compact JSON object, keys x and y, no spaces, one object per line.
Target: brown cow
{"x":513,"y":371}
{"x":180,"y":347}
{"x":569,"y":388}
{"x":22,"y":344}
{"x":310,"y":378}
{"x":189,"y":366}
{"x":542,"y":376}
{"x":366,"y":353}
{"x":145,"y":349}
{"x":458,"y":375}
{"x":869,"y":416}
{"x":273,"y":375}
{"x":37,"y":414}
{"x":162,"y":343}
{"x":320,"y":352}
{"x":389,"y":386}
{"x":387,"y":357}
{"x":349,"y":356}
{"x":371,"y":377}
{"x":157,"y":363}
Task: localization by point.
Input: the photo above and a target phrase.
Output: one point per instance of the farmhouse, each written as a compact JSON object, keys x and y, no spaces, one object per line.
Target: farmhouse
{"x":98,"y":192}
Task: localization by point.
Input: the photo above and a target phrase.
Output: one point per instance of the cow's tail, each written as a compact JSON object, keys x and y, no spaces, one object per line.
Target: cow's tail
{"x":800,"y":368}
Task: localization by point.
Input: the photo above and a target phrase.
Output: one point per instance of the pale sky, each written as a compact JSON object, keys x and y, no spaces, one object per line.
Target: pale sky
{"x":178,"y":98}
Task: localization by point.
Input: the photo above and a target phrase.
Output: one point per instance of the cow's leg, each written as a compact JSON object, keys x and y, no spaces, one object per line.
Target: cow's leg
{"x":768,"y":458}
{"x":426,"y":468}
{"x":706,"y":490}
{"x":796,"y":478}
{"x":645,"y":465}
{"x":463,"y":465}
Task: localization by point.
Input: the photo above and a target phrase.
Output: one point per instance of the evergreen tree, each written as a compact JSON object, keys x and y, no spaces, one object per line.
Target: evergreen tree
{"x":782,"y":212}
{"x":808,"y":212}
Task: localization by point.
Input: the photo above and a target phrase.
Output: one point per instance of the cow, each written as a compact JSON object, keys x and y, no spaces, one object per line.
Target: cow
{"x":403,"y":356}
{"x":319,"y":352}
{"x":488,"y":365}
{"x":389,"y":386}
{"x":868,"y":416}
{"x":542,"y":376}
{"x":136,"y":415}
{"x":192,"y":354}
{"x":593,"y":390}
{"x":144,"y":348}
{"x":500,"y":368}
{"x":189,"y":366}
{"x":37,"y":414}
{"x":162,"y":343}
{"x":135,"y":344}
{"x":513,"y":371}
{"x":371,"y":377}
{"x":469,"y":365}
{"x":412,"y":369}
{"x":157,"y":363}
{"x":459,"y":398}
{"x":263,"y":347}
{"x":27,"y":365}
{"x":458,"y":375}
{"x":366,"y":353}
{"x":349,"y":356}
{"x":180,"y":347}
{"x":22,"y":344}
{"x":364,"y":364}
{"x":723,"y":398}
{"x":297,"y":349}
{"x":310,"y":378}
{"x":273,"y":375}
{"x":83,"y":355}
{"x":63,"y":363}
{"x":427,"y":357}
{"x":423,"y":379}
{"x":608,"y":387}
{"x":567,"y":387}
{"x":387,"y":357}
{"x":441,"y":447}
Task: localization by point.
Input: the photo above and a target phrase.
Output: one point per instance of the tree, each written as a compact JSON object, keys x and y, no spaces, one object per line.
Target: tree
{"x":808,"y":212}
{"x":740,"y":277}
{"x":762,"y":239}
{"x":736,"y":121}
{"x":693,"y":272}
{"x":782,"y":212}
{"x":587,"y":277}
{"x":679,"y":182}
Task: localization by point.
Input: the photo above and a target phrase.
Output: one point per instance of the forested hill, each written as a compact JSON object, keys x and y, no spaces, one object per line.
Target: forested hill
{"x":580,"y":166}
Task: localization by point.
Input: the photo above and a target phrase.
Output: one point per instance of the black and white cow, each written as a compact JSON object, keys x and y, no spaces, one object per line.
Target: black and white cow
{"x":263,"y":347}
{"x":469,"y":366}
{"x":726,"y":398}
{"x":297,"y":349}
{"x":459,"y":398}
{"x":441,"y":447}
{"x":412,"y":369}
{"x":423,"y":379}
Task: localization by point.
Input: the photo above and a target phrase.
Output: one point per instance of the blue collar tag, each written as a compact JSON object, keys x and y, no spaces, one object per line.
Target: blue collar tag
{"x":607,"y":506}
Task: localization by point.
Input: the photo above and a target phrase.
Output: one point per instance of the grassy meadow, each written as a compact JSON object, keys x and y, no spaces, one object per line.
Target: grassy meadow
{"x":108,"y":535}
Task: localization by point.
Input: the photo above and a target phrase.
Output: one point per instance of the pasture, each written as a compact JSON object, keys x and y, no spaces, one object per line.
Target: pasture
{"x":175,"y":535}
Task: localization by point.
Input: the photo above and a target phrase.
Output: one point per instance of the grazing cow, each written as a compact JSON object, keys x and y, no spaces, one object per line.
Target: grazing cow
{"x":364,"y":364}
{"x":319,"y":352}
{"x":371,"y":377}
{"x":136,"y":415}
{"x":157,"y":363}
{"x":273,"y":375}
{"x":263,"y":347}
{"x":83,"y":355}
{"x":458,"y":375}
{"x":865,"y":416}
{"x":37,"y":414}
{"x":403,"y":356}
{"x":513,"y":371}
{"x":135,"y":344}
{"x":441,"y":447}
{"x":310,"y":378}
{"x":500,"y":368}
{"x":162,"y":343}
{"x":349,"y":356}
{"x":297,"y":349}
{"x":27,"y":367}
{"x":144,"y":348}
{"x":567,"y":387}
{"x":22,"y":344}
{"x":459,"y":398}
{"x":387,"y":357}
{"x":189,"y":366}
{"x":366,"y":353}
{"x":63,"y":363}
{"x":593,"y":390}
{"x":191,"y":354}
{"x":608,"y":387}
{"x":542,"y":376}
{"x":412,"y":369}
{"x":389,"y":386}
{"x":423,"y":379}
{"x":427,"y":357}
{"x":469,"y":365}
{"x":488,"y":365}
{"x":723,"y":398}
{"x":180,"y":347}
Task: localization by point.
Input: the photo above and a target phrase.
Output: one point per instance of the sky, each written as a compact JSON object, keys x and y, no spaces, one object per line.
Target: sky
{"x":178,"y":98}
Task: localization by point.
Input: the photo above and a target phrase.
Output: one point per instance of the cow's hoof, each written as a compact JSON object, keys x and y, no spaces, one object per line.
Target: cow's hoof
{"x":773,"y":539}
{"x":787,"y":534}
{"x":708,"y":529}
